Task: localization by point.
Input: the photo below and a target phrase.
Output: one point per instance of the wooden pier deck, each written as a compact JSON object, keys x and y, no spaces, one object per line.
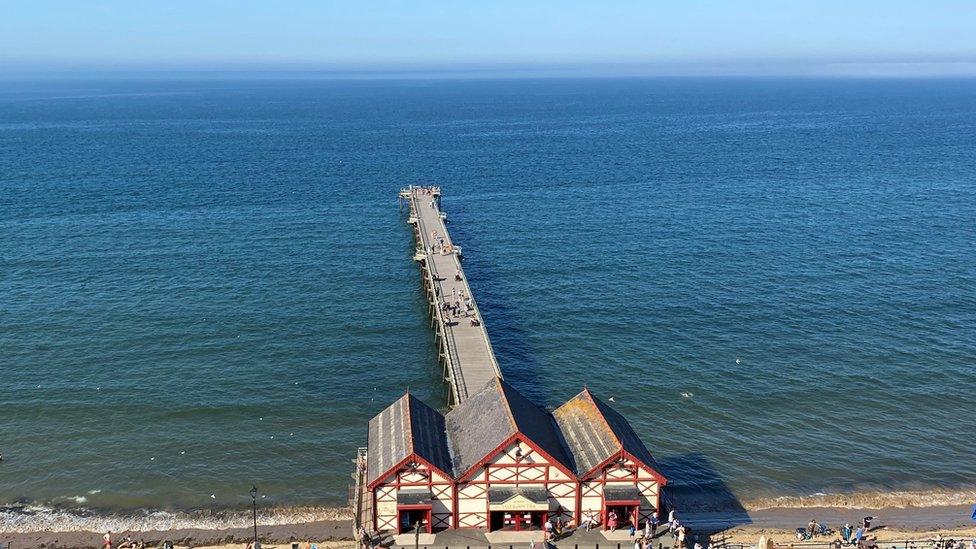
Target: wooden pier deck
{"x":463,"y":346}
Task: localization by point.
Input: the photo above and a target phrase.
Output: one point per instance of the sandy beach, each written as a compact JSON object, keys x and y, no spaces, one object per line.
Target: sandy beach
{"x":778,"y":524}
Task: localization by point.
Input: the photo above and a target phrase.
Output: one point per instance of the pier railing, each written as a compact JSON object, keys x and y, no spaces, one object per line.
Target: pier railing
{"x":359,"y":500}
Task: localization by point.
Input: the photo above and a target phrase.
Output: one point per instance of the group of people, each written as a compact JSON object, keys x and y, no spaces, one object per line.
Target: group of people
{"x":126,"y":543}
{"x":849,"y":535}
{"x":553,"y":529}
{"x":459,"y":304}
{"x":429,"y":190}
{"x":681,"y":536}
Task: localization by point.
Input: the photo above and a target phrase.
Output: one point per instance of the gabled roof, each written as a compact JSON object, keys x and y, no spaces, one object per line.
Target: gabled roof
{"x":405,"y":428}
{"x":595,"y":432}
{"x":481,"y":424}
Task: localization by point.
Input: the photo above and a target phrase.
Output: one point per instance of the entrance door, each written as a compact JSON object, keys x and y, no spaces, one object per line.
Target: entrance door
{"x":408,"y":518}
{"x":517,"y":521}
{"x":620,"y":515}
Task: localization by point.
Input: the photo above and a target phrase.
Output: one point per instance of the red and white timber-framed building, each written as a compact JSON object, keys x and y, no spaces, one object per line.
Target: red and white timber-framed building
{"x":497,"y":461}
{"x":615,"y":471}
{"x":511,"y":468}
{"x":408,"y":468}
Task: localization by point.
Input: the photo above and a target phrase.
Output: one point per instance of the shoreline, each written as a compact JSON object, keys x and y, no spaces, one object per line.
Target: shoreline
{"x":891,"y":523}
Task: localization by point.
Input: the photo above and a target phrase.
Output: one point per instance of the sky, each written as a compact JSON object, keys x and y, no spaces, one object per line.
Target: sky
{"x":869,"y":37}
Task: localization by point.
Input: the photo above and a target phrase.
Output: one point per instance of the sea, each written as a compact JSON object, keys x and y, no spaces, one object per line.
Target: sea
{"x":207,"y":283}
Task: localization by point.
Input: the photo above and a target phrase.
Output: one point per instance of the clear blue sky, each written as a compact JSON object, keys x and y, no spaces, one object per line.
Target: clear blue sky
{"x":683,"y":36}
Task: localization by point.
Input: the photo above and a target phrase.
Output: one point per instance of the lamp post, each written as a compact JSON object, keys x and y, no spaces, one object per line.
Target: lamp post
{"x":254,"y":514}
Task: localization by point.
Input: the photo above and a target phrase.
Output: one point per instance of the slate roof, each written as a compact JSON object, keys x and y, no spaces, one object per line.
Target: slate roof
{"x":406,"y":427}
{"x":594,"y":432}
{"x":581,"y":434}
{"x":480,"y":424}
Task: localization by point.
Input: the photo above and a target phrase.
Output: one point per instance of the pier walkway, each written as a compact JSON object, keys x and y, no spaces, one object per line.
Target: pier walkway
{"x":463,"y":345}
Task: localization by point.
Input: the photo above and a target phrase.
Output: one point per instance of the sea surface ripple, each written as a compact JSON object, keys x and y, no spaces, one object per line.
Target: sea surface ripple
{"x":207,"y":284}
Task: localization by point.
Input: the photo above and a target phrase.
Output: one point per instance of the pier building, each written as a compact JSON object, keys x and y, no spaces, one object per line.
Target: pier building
{"x":500,"y":462}
{"x":495,"y":460}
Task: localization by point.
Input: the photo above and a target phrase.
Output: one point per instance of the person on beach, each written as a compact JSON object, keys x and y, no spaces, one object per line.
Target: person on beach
{"x":866,"y":523}
{"x":858,"y":535}
{"x":107,"y":540}
{"x":812,"y":528}
{"x":845,"y":532}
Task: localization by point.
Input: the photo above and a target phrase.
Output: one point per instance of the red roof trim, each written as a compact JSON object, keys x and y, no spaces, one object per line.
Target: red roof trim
{"x":484,"y":461}
{"x":401,"y":463}
{"x":661,"y":479}
{"x":552,"y":461}
{"x":517,"y":435}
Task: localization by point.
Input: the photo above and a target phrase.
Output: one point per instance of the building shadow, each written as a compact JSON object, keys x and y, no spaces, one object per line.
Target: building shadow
{"x":700,"y":496}
{"x":509,"y":339}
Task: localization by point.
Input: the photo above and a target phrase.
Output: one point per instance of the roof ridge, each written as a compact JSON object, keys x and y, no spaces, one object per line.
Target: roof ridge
{"x":508,"y":405}
{"x":409,"y":422}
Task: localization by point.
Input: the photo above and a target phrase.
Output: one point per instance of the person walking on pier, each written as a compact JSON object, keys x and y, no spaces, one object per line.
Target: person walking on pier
{"x":457,"y":275}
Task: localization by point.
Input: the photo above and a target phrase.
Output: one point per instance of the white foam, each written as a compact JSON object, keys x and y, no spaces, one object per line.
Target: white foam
{"x":38,"y":518}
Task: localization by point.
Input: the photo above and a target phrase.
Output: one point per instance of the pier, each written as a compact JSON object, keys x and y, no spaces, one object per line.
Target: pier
{"x":464,"y":349}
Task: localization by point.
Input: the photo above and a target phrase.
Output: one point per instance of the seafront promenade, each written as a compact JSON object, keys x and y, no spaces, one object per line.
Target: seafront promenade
{"x":464,"y":348}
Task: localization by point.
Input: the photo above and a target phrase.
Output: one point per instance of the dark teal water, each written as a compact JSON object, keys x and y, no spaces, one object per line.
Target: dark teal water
{"x":207,"y":284}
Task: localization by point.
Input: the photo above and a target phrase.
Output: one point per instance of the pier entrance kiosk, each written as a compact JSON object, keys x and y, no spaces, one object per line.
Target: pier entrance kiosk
{"x":517,"y":521}
{"x":517,"y":509}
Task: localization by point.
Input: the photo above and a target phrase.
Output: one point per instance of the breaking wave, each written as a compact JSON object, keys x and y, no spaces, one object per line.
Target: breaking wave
{"x":26,"y":518}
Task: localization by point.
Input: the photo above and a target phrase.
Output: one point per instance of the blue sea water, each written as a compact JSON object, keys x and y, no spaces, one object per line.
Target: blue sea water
{"x":207,"y":284}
